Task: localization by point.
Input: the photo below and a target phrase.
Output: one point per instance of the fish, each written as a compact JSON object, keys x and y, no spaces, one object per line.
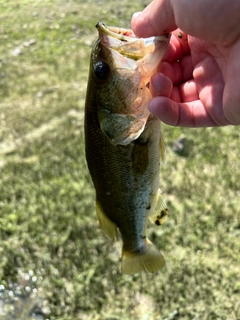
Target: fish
{"x":123,"y":142}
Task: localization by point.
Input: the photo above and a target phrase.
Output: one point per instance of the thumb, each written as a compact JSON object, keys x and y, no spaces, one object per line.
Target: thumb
{"x":231,"y":94}
{"x":156,"y":19}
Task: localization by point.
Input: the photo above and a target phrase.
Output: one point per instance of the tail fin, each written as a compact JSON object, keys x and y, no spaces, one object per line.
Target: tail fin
{"x":149,"y":260}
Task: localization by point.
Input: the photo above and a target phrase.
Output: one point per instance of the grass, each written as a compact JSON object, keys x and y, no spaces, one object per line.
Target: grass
{"x":55,"y":262}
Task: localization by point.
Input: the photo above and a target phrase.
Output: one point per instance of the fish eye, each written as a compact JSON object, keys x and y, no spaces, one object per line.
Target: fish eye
{"x":101,"y":70}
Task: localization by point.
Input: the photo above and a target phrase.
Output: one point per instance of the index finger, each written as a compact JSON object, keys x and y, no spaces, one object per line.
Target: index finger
{"x":184,"y":114}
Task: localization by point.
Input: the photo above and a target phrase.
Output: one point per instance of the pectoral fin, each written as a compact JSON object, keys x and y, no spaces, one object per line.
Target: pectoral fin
{"x":120,"y":128}
{"x":160,"y":213}
{"x":108,"y":227}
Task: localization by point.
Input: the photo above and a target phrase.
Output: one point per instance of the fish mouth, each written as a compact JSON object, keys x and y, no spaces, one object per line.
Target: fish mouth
{"x":126,"y":43}
{"x":133,"y":60}
{"x":118,"y":33}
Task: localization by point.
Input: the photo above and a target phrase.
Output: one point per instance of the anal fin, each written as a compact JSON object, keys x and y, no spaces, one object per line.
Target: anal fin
{"x":107,"y":226}
{"x":160,"y":212}
{"x":148,"y":259}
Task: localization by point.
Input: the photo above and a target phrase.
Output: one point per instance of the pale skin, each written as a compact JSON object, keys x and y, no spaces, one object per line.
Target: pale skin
{"x":198,"y":81}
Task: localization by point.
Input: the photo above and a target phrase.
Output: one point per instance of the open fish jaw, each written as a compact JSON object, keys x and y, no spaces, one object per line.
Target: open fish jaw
{"x":138,"y":59}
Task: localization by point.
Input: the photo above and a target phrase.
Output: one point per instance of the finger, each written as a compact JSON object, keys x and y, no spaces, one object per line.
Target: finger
{"x":203,"y":19}
{"x":176,"y":94}
{"x":178,"y":72}
{"x":189,"y":114}
{"x":206,"y":20}
{"x":209,"y":80}
{"x":160,"y":85}
{"x":172,"y":71}
{"x":157,"y":18}
{"x":180,"y":39}
{"x":188,"y":91}
{"x":178,"y":46}
{"x":186,"y":65}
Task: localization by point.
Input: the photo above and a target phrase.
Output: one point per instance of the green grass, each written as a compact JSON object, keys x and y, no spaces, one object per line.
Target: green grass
{"x":48,"y":225}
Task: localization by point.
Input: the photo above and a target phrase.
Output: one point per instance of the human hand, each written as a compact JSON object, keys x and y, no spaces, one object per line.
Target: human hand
{"x":198,"y":81}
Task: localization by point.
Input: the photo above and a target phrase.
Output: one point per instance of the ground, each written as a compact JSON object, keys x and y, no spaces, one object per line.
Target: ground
{"x":55,"y":262}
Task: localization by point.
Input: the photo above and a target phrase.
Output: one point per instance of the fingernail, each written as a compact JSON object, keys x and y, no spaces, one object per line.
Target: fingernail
{"x":136,"y":14}
{"x":156,"y":82}
{"x":152,"y":107}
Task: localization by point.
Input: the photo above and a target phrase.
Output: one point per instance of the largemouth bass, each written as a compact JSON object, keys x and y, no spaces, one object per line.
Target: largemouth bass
{"x":124,"y":144}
